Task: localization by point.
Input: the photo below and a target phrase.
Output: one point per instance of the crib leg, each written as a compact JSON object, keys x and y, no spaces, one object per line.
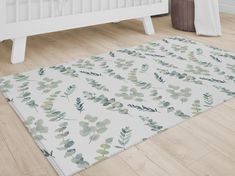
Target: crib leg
{"x":18,"y":50}
{"x":148,"y":25}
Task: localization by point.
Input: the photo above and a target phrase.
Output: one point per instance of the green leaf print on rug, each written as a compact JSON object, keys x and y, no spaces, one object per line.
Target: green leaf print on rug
{"x":196,"y":107}
{"x":36,"y":128}
{"x":109,"y":104}
{"x":151,"y":123}
{"x":231,"y":67}
{"x":79,"y":105}
{"x":123,"y":64}
{"x":110,"y":72}
{"x":20,"y":77}
{"x":84,"y":64}
{"x":177,"y":93}
{"x":67,"y":145}
{"x":124,"y":138}
{"x":103,"y":151}
{"x":197,"y":70}
{"x":144,"y":68}
{"x":132,"y":76}
{"x":48,"y":84}
{"x":48,"y":106}
{"x":5,"y":85}
{"x":208,"y":99}
{"x":130,"y":94}
{"x":41,"y":72}
{"x":97,"y":85}
{"x":68,"y":71}
{"x":69,"y":91}
{"x":25,"y":96}
{"x":93,"y":128}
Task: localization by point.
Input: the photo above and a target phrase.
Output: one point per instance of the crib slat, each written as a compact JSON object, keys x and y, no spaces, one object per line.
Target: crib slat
{"x":29,"y":9}
{"x":41,"y":8}
{"x":17,"y":11}
{"x":73,"y":7}
{"x":100,"y":5}
{"x":91,"y":6}
{"x":109,"y":5}
{"x":52,"y":8}
{"x":62,"y":7}
{"x":82,"y":6}
{"x":2,"y":12}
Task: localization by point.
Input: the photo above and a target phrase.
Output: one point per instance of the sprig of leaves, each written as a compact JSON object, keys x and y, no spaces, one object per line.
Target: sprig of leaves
{"x":103,"y":151}
{"x":143,"y":108}
{"x":36,"y":127}
{"x":97,"y":85}
{"x":124,"y":138}
{"x":208,"y":99}
{"x":25,"y":95}
{"x":66,"y":70}
{"x":5,"y":86}
{"x":41,"y":71}
{"x":110,"y":104}
{"x":47,"y":84}
{"x":67,"y":145}
{"x":196,"y":107}
{"x":69,"y":91}
{"x":52,"y":113}
{"x":151,"y":123}
{"x":20,"y":77}
{"x":159,"y":78}
{"x":93,"y":128}
{"x":79,"y":105}
{"x":132,"y":76}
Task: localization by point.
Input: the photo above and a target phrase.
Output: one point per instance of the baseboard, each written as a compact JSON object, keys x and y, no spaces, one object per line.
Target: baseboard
{"x":227,"y":8}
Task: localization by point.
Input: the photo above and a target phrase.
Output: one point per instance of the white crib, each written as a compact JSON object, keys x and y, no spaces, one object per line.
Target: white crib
{"x":22,"y":18}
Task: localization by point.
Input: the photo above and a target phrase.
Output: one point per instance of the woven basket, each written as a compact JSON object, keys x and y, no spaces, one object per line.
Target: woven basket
{"x":182,"y":15}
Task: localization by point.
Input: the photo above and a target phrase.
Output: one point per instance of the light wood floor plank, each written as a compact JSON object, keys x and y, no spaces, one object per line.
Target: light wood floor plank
{"x":137,"y":160}
{"x":211,"y":132}
{"x":181,"y":145}
{"x":114,"y":166}
{"x":8,"y":165}
{"x":214,"y":164}
{"x":164,"y":159}
{"x":226,"y":119}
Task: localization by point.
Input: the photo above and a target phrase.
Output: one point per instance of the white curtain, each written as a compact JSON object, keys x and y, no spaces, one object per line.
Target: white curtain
{"x":207,"y":19}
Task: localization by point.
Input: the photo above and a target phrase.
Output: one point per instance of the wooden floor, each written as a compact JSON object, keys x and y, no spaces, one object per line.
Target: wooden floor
{"x":202,"y":146}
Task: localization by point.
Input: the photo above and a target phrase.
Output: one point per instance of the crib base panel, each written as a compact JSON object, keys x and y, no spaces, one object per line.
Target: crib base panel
{"x":18,"y":50}
{"x":31,"y":26}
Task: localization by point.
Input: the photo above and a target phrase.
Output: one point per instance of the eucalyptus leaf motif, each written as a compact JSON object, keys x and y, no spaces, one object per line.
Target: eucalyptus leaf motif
{"x":93,"y":128}
{"x":26,"y":96}
{"x":151,"y":124}
{"x":110,"y":104}
{"x":36,"y":127}
{"x":5,"y":86}
{"x":196,"y":107}
{"x":68,"y":146}
{"x":47,"y":85}
{"x":48,"y":106}
{"x":104,"y":149}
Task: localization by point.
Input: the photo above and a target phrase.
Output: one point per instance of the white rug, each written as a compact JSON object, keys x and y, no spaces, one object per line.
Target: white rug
{"x":82,"y":112}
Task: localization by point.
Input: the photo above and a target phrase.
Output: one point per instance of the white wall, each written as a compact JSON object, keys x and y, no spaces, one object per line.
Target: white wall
{"x":227,"y":6}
